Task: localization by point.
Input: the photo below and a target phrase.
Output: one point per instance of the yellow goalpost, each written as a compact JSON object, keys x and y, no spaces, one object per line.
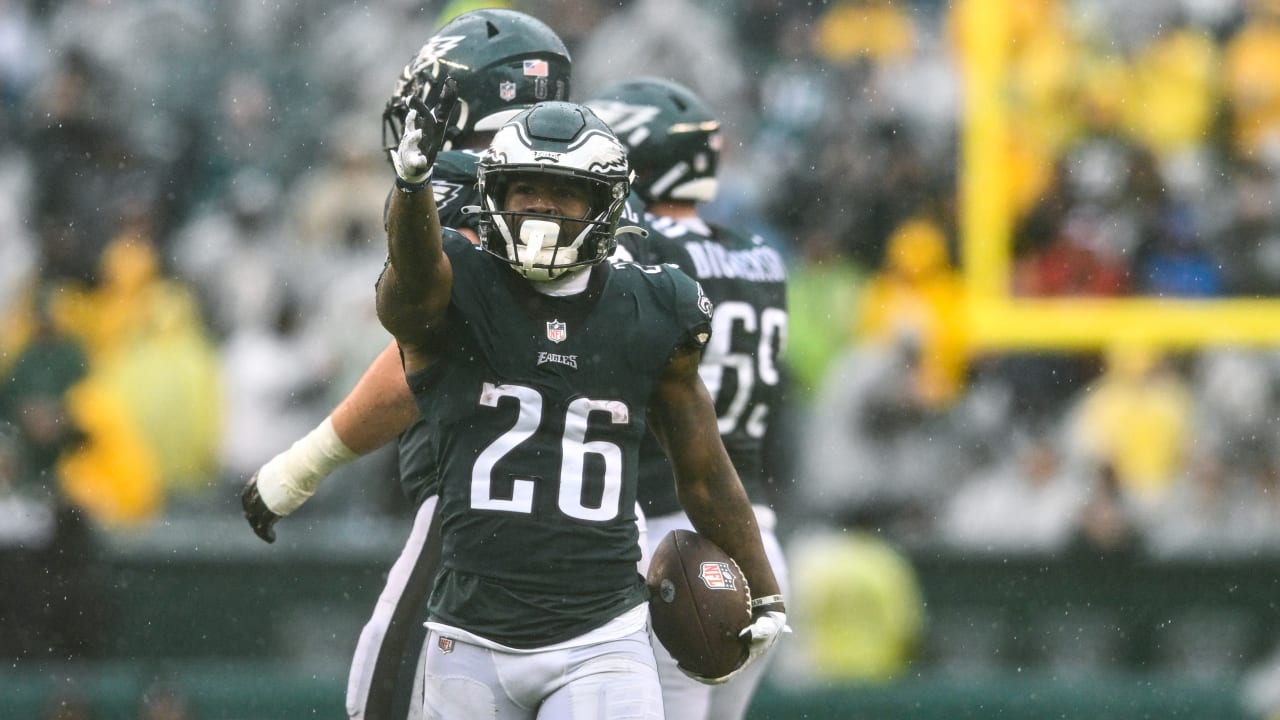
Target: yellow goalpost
{"x":999,"y":321}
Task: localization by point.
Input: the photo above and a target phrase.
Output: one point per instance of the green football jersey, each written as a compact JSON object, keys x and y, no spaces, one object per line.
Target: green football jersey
{"x":746,"y":279}
{"x":453,"y":182}
{"x":535,"y":413}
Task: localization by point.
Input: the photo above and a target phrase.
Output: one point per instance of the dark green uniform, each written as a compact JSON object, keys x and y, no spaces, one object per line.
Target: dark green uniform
{"x":453,"y":181}
{"x":534,"y":415}
{"x":746,"y":279}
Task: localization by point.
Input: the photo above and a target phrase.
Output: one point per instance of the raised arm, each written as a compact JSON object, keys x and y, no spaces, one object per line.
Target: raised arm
{"x":413,"y":292}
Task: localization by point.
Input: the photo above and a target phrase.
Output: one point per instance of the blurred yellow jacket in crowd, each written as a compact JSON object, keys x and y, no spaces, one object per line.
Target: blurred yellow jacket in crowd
{"x":918,"y":295}
{"x":1251,"y":75}
{"x":1173,"y":92}
{"x":871,"y":29}
{"x":1137,"y":418}
{"x":113,"y":476}
{"x":148,"y":348}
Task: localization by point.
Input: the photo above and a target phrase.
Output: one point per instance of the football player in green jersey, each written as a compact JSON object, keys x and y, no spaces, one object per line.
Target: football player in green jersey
{"x":503,"y":61}
{"x":673,"y":144}
{"x":538,"y":370}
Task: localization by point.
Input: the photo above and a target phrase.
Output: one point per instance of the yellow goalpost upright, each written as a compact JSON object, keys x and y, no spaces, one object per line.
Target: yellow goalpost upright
{"x":999,"y":321}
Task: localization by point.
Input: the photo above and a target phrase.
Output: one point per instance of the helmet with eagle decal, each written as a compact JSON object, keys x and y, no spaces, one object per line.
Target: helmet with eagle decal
{"x":563,"y":150}
{"x":672,"y":138}
{"x":502,"y":60}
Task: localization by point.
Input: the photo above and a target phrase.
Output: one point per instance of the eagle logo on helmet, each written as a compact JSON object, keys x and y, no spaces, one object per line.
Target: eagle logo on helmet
{"x":673,"y":139}
{"x":433,"y":53}
{"x":567,"y":141}
{"x":446,"y":192}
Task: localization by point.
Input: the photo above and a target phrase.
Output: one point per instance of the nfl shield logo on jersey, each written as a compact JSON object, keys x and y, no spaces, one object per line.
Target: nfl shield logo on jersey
{"x":445,"y":645}
{"x":557,"y":331}
{"x":716,"y":575}
{"x":507,"y":90}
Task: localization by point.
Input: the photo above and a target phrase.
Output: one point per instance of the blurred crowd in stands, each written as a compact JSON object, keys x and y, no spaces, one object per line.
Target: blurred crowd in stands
{"x":1145,"y":158}
{"x":191,"y":198}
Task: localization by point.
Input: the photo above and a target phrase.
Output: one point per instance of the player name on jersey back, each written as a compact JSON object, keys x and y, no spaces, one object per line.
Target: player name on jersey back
{"x":756,"y":264}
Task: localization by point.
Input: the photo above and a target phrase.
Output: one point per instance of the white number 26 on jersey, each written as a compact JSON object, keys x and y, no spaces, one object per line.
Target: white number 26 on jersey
{"x":574,"y":449}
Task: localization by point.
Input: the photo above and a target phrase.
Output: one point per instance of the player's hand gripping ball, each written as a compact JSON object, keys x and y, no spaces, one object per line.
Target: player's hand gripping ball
{"x":699,"y":605}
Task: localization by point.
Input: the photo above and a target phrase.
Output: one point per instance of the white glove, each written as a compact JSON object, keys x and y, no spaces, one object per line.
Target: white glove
{"x":410,"y":162}
{"x":761,"y":634}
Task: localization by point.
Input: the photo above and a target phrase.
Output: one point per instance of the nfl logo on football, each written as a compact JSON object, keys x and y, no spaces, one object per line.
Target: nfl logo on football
{"x":557,"y":331}
{"x":716,"y":576}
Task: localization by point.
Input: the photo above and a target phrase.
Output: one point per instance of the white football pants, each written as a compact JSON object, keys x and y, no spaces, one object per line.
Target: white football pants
{"x":609,"y":680}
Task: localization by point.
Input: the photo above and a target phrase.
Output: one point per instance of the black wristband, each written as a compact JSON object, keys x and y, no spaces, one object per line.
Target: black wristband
{"x":409,"y":187}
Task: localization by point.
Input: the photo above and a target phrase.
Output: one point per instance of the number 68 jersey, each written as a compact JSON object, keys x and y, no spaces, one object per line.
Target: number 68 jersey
{"x":534,"y":412}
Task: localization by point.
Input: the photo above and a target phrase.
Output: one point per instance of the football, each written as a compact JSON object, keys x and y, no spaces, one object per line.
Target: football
{"x":699,"y":602}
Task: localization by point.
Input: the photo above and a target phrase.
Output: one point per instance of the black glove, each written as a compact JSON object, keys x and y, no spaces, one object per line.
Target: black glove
{"x":256,"y":511}
{"x":425,"y":128}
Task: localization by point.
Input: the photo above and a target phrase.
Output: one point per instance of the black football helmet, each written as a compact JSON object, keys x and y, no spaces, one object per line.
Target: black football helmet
{"x":503,"y":61}
{"x":672,"y":138}
{"x":565,"y":140}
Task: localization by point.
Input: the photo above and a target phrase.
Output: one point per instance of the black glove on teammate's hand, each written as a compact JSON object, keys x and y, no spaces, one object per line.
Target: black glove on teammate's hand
{"x":256,"y":511}
{"x":424,"y":131}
